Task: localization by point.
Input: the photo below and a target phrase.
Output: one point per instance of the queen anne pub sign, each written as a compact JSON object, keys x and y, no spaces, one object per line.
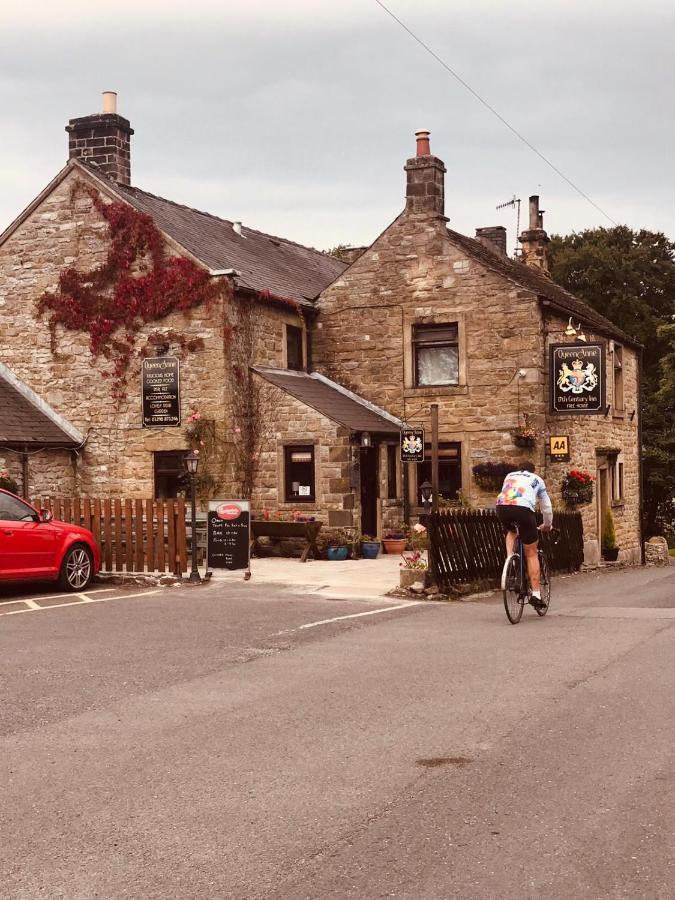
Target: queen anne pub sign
{"x":577,"y":379}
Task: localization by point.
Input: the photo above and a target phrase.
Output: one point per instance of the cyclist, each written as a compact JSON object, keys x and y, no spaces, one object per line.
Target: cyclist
{"x":516,"y":504}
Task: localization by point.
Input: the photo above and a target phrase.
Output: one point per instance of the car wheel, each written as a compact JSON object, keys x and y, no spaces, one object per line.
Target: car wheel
{"x":77,"y":568}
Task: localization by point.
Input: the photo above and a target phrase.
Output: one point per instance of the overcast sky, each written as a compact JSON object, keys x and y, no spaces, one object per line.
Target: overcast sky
{"x":296,"y":117}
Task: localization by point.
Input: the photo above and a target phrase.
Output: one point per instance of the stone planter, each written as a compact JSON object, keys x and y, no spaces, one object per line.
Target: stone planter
{"x":408,"y":577}
{"x":394,"y":545}
{"x":610,"y":555}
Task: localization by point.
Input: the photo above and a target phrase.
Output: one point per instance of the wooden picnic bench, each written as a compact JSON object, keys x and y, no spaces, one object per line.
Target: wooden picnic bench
{"x":278,"y":531}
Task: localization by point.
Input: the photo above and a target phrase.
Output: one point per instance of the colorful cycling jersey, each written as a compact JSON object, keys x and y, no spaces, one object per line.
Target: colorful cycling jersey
{"x":524,"y":488}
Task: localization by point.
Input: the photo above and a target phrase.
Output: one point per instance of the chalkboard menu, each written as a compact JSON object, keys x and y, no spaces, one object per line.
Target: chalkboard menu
{"x":228,"y":534}
{"x":577,"y":379}
{"x":161,"y":392}
{"x":412,"y":445}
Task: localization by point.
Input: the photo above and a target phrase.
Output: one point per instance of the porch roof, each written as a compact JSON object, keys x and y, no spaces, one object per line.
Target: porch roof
{"x":332,"y":400}
{"x":29,"y":421}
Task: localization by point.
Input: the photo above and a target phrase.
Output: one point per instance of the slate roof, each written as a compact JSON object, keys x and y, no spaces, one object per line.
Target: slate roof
{"x":23,"y":422}
{"x":543,"y":286}
{"x":332,"y":400}
{"x":265,"y":262}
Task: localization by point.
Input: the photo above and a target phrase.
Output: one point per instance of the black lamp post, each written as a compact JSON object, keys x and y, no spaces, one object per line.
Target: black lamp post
{"x":192,"y":464}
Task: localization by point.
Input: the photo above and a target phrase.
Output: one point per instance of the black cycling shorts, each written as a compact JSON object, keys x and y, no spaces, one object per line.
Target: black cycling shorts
{"x":523,"y":517}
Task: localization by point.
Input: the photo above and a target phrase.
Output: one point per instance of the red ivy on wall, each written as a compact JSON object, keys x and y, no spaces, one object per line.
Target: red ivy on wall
{"x":136,"y":284}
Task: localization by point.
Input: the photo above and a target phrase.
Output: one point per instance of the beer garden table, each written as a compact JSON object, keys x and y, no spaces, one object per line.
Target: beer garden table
{"x":282,"y":530}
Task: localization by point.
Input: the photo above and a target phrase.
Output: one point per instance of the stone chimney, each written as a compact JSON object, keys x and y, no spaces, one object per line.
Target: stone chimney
{"x":103,"y":140}
{"x":494,"y":238}
{"x":535,"y":241}
{"x":425,"y":192}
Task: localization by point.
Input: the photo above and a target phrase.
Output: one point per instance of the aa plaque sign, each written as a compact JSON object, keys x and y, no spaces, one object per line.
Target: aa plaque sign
{"x":161,"y":392}
{"x":577,"y":379}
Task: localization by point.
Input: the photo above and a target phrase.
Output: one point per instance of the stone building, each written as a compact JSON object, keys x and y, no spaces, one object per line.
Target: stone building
{"x":298,"y":370}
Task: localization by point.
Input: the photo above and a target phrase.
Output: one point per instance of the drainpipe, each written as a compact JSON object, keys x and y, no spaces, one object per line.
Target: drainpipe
{"x":640,"y":463}
{"x":24,"y":474}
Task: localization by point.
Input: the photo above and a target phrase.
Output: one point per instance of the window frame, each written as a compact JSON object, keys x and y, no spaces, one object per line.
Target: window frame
{"x":289,"y":449}
{"x":158,"y":471}
{"x":422,"y":467}
{"x":618,"y":380}
{"x":289,"y":330}
{"x":417,"y":343}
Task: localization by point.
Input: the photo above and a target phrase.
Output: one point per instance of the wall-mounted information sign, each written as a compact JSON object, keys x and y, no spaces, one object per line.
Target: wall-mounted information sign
{"x":412,"y":445}
{"x":559,"y":448}
{"x":161,"y":391}
{"x":577,"y":376}
{"x":228,"y":534}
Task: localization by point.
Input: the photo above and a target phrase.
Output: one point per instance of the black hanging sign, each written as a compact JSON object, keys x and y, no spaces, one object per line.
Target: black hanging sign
{"x":577,"y":379}
{"x":228,"y":534}
{"x":412,"y":445}
{"x":161,"y":392}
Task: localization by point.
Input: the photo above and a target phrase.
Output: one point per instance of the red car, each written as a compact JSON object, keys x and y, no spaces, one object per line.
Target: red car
{"x":34,"y":546}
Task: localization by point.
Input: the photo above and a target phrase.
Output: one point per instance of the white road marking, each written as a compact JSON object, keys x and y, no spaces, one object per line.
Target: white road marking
{"x":370,"y":612}
{"x":35,"y":607}
{"x":30,"y":600}
{"x":31,"y":603}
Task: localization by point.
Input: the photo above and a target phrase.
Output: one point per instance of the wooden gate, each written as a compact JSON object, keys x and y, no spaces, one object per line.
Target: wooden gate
{"x":133,"y":535}
{"x":467,"y":546}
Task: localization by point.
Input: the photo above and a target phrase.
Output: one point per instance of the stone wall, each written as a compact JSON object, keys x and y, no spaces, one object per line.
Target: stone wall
{"x":117,"y":460}
{"x":415,"y":274}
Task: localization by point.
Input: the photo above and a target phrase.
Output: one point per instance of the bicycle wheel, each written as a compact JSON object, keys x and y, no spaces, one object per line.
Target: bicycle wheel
{"x":514,"y":598}
{"x":545,"y":585}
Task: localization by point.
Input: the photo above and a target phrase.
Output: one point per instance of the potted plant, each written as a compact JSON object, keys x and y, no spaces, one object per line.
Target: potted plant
{"x":337,"y":548}
{"x":577,"y":487}
{"x":414,"y":568}
{"x":370,"y":546}
{"x":610,"y":551}
{"x":525,"y":434}
{"x":7,"y":482}
{"x":395,"y":541}
{"x":489,"y":476}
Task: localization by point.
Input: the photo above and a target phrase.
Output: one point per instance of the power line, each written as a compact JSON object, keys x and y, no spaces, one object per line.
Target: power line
{"x":494,"y":112}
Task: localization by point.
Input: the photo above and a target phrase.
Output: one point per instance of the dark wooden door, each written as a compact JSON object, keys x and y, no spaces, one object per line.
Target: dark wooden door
{"x":369,"y":492}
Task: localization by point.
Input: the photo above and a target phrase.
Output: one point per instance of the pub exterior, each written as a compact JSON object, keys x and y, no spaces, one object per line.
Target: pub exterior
{"x":294,"y":372}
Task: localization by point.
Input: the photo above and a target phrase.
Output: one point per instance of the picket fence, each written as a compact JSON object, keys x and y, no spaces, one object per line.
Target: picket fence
{"x":133,"y":535}
{"x":467,"y":546}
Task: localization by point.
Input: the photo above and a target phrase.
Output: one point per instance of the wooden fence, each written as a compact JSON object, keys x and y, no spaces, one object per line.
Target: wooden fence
{"x":133,"y":535}
{"x":467,"y":546}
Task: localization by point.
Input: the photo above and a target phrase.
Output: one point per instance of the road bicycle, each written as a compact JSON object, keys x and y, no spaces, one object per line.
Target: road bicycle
{"x":516,"y":583}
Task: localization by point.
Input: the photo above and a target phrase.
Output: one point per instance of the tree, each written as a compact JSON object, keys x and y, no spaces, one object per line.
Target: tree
{"x":629,"y":277}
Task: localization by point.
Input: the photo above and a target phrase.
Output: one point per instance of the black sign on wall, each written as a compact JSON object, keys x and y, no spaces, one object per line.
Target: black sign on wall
{"x":161,"y":392}
{"x":412,"y":445}
{"x":228,"y":534}
{"x":577,"y":379}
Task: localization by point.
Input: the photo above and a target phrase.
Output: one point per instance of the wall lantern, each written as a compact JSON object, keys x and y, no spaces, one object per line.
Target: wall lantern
{"x":366,"y":440}
{"x":192,"y":462}
{"x":426,"y":491}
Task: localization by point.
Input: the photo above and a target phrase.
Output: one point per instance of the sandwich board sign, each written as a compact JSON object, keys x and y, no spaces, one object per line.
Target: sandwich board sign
{"x":228,"y":534}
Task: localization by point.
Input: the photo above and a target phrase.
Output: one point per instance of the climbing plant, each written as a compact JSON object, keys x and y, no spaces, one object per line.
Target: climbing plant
{"x":137,"y":283}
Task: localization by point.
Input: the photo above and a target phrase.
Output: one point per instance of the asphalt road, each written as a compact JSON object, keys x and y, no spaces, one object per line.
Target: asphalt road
{"x":240,"y":742}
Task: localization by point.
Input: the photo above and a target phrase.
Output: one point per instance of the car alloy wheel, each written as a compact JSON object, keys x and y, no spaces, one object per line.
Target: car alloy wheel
{"x":78,"y":568}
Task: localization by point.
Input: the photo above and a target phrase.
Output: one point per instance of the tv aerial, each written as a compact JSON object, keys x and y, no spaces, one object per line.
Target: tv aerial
{"x":514,"y":203}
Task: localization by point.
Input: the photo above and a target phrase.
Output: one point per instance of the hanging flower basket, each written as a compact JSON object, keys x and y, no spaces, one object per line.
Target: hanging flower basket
{"x":525,"y":435}
{"x":523,"y":440}
{"x":8,"y":483}
{"x":577,"y":488}
{"x":490,"y":476}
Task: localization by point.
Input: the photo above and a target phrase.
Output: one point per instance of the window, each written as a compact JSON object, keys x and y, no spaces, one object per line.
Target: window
{"x":615,"y":466}
{"x":170,"y":475}
{"x":299,"y":483}
{"x":449,"y":471}
{"x":13,"y":510}
{"x":617,"y":356}
{"x":392,"y":453}
{"x":436,"y":352}
{"x":294,"y":349}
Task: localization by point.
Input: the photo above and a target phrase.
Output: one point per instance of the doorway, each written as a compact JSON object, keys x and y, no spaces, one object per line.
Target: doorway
{"x":369,"y":489}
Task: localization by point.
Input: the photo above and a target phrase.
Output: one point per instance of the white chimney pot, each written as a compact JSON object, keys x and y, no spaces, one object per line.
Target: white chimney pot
{"x":109,"y":101}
